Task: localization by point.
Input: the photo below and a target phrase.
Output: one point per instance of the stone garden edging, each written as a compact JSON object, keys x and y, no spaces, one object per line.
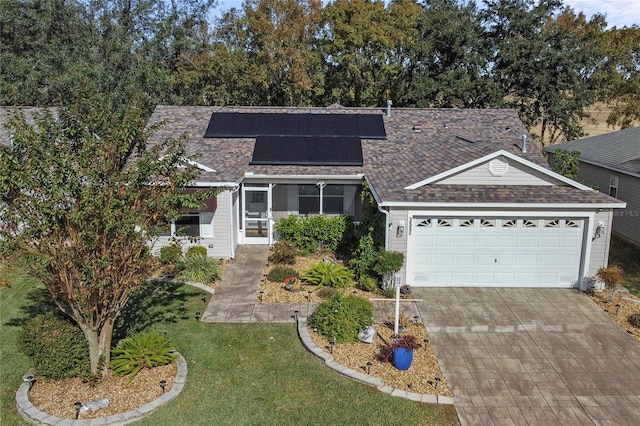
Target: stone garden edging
{"x":32,"y":414}
{"x":367,"y":379}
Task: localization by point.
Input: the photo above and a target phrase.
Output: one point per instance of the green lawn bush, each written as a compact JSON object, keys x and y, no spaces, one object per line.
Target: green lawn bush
{"x":198,"y":268}
{"x":196,"y":251}
{"x":367,"y":283}
{"x":170,"y":254}
{"x":140,"y":351}
{"x":283,"y":252}
{"x":328,"y":274}
{"x":279,"y":273}
{"x":57,"y":348}
{"x":342,"y":317}
{"x":313,"y":232}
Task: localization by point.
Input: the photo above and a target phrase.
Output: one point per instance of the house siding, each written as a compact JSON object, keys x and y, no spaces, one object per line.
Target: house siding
{"x":220,"y":245}
{"x":600,"y":246}
{"x":516,"y":174}
{"x":626,"y":222}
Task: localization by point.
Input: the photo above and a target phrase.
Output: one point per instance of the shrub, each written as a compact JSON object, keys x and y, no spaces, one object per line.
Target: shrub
{"x":170,"y":254}
{"x":199,"y":268}
{"x":328,"y":274}
{"x":364,"y":257}
{"x":634,"y":319}
{"x":141,"y":351}
{"x":310,"y":233}
{"x":610,"y":276}
{"x":57,"y":348}
{"x":342,"y":317}
{"x":326,"y":292}
{"x":196,"y":251}
{"x":280,"y":273}
{"x":367,"y":283}
{"x":283,"y":252}
{"x":388,"y":262}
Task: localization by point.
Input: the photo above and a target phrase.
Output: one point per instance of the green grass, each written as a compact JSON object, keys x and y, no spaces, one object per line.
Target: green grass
{"x":238,"y":374}
{"x":627,"y":256}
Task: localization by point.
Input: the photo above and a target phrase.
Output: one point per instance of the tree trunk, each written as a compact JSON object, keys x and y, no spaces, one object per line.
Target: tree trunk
{"x":99,"y":347}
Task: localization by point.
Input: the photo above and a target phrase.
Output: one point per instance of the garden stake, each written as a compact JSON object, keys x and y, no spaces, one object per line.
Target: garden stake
{"x":163,"y":383}
{"x":77,"y":406}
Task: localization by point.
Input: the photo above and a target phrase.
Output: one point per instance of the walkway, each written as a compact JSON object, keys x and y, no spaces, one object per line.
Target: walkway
{"x":236,"y":296}
{"x":532,"y":356}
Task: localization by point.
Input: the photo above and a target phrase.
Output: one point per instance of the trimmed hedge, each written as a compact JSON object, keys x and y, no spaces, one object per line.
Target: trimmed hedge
{"x":57,"y":348}
{"x":313,"y":232}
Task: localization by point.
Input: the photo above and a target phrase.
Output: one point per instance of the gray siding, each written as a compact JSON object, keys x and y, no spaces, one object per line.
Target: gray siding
{"x":600,"y":246}
{"x":626,"y":222}
{"x":516,"y":174}
{"x":399,"y":243}
{"x":220,"y":246}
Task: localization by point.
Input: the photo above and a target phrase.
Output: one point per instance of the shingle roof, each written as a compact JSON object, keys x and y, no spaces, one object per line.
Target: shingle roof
{"x":29,"y":112}
{"x":617,"y":150}
{"x":420,"y":143}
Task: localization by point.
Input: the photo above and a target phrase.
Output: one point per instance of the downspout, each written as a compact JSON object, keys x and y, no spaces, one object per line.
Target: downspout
{"x":386,"y":226}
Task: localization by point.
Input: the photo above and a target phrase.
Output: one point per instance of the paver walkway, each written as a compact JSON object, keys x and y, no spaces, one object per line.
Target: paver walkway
{"x":532,"y":356}
{"x":235,"y":297}
{"x":511,"y":356}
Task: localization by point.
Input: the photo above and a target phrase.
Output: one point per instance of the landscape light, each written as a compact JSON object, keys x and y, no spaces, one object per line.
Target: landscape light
{"x":198,"y":314}
{"x":77,"y":406}
{"x":163,"y":383}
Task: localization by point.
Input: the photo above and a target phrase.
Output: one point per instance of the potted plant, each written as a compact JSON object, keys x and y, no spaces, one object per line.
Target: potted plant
{"x":292,"y":284}
{"x":399,"y":351}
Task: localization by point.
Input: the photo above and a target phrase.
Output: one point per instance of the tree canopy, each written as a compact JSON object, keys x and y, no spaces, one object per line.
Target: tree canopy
{"x":81,"y":199}
{"x":545,"y":60}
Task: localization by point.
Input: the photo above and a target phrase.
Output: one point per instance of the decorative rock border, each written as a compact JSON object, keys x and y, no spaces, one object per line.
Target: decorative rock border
{"x":328,"y":360}
{"x":32,"y":414}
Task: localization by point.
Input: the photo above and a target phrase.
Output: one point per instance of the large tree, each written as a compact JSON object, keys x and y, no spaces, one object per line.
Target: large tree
{"x":544,"y":62}
{"x":80,"y":199}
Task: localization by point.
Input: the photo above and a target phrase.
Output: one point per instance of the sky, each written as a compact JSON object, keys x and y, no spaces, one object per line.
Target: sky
{"x":618,"y":12}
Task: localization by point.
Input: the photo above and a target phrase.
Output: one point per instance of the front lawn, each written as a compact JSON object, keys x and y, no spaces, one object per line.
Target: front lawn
{"x":238,"y":374}
{"x":627,"y":256}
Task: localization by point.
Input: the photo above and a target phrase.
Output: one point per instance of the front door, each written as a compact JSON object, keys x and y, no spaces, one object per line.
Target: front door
{"x":257,"y":214}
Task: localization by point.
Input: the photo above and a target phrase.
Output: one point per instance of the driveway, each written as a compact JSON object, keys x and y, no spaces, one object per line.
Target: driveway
{"x":532,"y":356}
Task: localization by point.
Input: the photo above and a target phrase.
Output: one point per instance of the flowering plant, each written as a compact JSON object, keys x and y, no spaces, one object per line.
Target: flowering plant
{"x":291,"y":280}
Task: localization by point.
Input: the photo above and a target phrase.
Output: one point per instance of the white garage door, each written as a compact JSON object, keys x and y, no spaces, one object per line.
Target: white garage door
{"x":494,"y":252}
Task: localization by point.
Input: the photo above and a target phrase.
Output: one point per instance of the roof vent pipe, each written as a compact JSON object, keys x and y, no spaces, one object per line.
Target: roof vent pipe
{"x":389,"y":103}
{"x":524,"y":143}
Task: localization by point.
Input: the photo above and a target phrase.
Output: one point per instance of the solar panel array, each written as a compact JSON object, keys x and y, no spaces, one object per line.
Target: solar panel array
{"x":300,"y":139}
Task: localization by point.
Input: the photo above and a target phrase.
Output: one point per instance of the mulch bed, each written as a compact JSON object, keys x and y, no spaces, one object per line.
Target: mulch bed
{"x":56,"y":397}
{"x":620,"y":314}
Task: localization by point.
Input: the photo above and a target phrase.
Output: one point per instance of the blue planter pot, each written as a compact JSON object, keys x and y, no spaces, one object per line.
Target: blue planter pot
{"x":402,"y":358}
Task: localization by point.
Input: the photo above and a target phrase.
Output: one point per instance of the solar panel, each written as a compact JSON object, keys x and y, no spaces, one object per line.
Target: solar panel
{"x":254,"y":124}
{"x":307,"y":151}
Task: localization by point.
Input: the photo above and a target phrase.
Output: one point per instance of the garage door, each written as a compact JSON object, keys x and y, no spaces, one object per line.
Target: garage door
{"x":494,"y":252}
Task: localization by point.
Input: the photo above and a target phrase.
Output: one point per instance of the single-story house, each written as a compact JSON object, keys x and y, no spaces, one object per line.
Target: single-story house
{"x":467,"y":197}
{"x":611,"y":163}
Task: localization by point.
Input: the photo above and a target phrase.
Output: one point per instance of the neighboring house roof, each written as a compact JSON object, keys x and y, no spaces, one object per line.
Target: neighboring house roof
{"x":30,"y":113}
{"x":420,"y":144}
{"x":619,"y":151}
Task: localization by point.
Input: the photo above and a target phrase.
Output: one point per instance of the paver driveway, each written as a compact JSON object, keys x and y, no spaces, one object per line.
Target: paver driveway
{"x":532,"y":356}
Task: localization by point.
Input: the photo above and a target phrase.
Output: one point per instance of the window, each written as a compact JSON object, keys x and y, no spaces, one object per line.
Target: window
{"x":308,"y":199}
{"x":613,"y":185}
{"x":332,"y":199}
{"x":188,"y":226}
